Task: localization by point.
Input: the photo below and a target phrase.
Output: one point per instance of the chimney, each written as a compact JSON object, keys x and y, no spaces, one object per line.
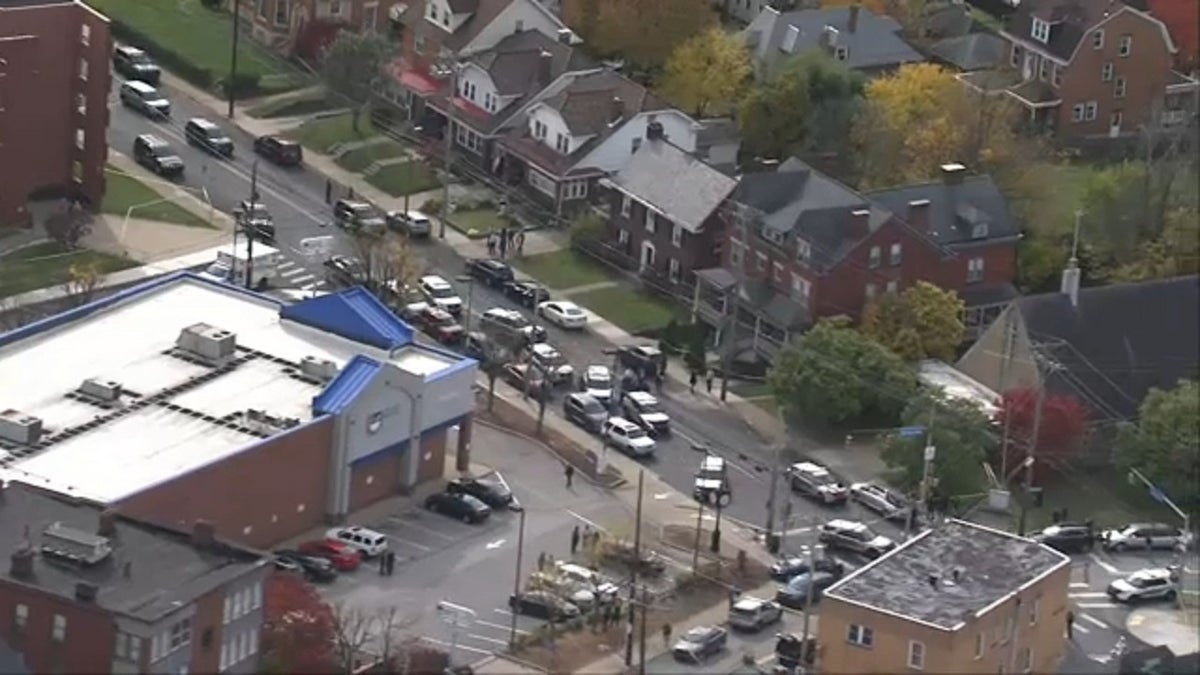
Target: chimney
{"x":918,"y":214}
{"x":955,"y":574}
{"x":22,"y":563}
{"x":860,"y":222}
{"x":545,"y":67}
{"x":564,"y":36}
{"x":829,"y":37}
{"x":654,"y":131}
{"x":203,"y":534}
{"x":854,"y":10}
{"x":85,"y":592}
{"x":618,"y":109}
{"x":953,"y":174}
{"x":108,"y":523}
{"x":1070,"y":281}
{"x":933,"y":581}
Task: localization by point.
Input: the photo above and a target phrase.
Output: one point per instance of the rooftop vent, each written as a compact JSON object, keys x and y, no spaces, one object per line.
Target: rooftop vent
{"x":206,"y":342}
{"x":933,"y":581}
{"x":22,"y":563}
{"x":67,"y":543}
{"x":19,"y":428}
{"x":565,"y":36}
{"x":267,"y":423}
{"x":318,"y":369}
{"x":107,"y":391}
{"x":85,"y":592}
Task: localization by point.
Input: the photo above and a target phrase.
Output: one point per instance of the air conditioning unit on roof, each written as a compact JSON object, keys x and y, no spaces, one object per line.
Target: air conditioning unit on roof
{"x":101,"y":390}
{"x":207,"y":342}
{"x":18,"y":427}
{"x":318,"y":368}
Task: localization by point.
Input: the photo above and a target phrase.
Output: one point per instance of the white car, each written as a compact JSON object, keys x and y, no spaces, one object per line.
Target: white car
{"x":590,"y":579}
{"x":597,"y":383}
{"x":644,"y":410}
{"x":627,"y":437}
{"x":563,"y":314}
{"x":370,"y":542}
{"x":751,"y":614}
{"x":1148,"y":584}
{"x":439,"y":292}
{"x":551,"y":362}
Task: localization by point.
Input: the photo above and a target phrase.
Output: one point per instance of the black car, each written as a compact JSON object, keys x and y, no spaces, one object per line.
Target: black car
{"x":542,"y":605}
{"x":586,"y":411}
{"x":157,"y":155}
{"x":281,"y":151}
{"x":642,"y":359}
{"x":793,"y":651}
{"x":795,"y":594}
{"x":344,"y":271}
{"x":786,"y":569}
{"x":489,"y":489}
{"x":457,"y":505}
{"x":1067,"y":538}
{"x":526,"y":293}
{"x":312,"y":567}
{"x":135,"y":64}
{"x":493,"y":273}
{"x":700,"y":643}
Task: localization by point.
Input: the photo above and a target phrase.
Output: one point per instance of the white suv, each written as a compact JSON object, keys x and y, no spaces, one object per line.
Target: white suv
{"x":441,"y":294}
{"x":751,"y":614}
{"x":1148,"y":584}
{"x":551,"y":362}
{"x":370,"y":542}
{"x":628,"y":437}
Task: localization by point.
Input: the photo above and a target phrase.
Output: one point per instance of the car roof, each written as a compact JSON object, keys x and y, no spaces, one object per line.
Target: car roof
{"x":622,"y":422}
{"x":151,"y":139}
{"x":128,"y":49}
{"x":810,"y":467}
{"x":1151,"y":573}
{"x":749,"y":602}
{"x":582,"y":397}
{"x":594,"y":370}
{"x":842,"y":524}
{"x":202,"y":123}
{"x":641,"y":397}
{"x":491,"y":262}
{"x":713,"y":460}
{"x":543,"y":348}
{"x":138,"y":84}
{"x":434,"y":280}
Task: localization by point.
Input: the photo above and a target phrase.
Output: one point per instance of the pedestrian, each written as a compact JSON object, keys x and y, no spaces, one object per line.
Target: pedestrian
{"x":391,"y":563}
{"x":502,"y":242}
{"x":692,"y":379}
{"x":328,"y":190}
{"x":1070,"y":625}
{"x":666,"y":633}
{"x":520,"y":241}
{"x":542,"y":561}
{"x":574,"y":540}
{"x":491,"y":245}
{"x":569,"y":472}
{"x":708,"y":380}
{"x":382,"y":565}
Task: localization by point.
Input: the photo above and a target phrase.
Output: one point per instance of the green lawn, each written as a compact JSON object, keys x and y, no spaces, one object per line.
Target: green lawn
{"x":633,"y":310}
{"x":123,"y":191}
{"x":295,"y":105}
{"x":49,"y":264}
{"x":478,"y":223}
{"x":359,"y":159}
{"x":1104,"y":497}
{"x":405,"y":178}
{"x":1068,"y":181}
{"x":322,"y":134}
{"x":563,"y":269}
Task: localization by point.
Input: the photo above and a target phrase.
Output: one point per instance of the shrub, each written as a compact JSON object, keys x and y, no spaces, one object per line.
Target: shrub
{"x":244,"y":85}
{"x":432,"y":207}
{"x":212,"y":4}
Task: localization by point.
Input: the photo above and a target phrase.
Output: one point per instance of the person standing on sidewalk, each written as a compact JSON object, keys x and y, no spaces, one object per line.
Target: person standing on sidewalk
{"x":692,"y":379}
{"x":519,"y":240}
{"x":569,"y":472}
{"x":666,"y":633}
{"x":574,"y":540}
{"x":1070,"y":625}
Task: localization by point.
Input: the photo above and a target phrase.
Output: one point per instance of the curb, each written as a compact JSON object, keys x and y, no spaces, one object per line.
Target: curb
{"x":533,"y":439}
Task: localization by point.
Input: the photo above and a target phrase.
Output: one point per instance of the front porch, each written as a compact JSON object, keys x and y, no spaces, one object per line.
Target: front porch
{"x":752,"y":321}
{"x":1039,"y":99}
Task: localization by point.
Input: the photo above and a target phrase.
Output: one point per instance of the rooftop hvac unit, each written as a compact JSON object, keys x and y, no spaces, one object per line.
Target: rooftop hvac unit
{"x":318,"y":369}
{"x":19,"y":428}
{"x":207,"y":342}
{"x":101,"y":390}
{"x":68,"y":543}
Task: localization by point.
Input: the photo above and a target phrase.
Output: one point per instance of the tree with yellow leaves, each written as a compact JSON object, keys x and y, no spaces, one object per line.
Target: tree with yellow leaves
{"x":923,"y":322}
{"x":707,"y":74}
{"x":644,"y":32}
{"x":82,"y":281}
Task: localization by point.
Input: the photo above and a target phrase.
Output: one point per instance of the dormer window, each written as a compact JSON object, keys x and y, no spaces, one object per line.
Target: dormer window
{"x":803,"y":251}
{"x":1040,"y":30}
{"x":789,"y":39}
{"x":433,"y":11}
{"x":562,"y":143}
{"x":773,"y":236}
{"x":539,"y":130}
{"x":979,"y":231}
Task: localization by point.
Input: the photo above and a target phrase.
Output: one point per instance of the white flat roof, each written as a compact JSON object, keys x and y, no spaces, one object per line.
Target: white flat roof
{"x":130,"y":343}
{"x":956,"y":384}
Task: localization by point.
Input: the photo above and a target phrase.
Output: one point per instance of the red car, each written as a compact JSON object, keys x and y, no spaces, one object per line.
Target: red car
{"x":343,"y":557}
{"x":439,"y":325}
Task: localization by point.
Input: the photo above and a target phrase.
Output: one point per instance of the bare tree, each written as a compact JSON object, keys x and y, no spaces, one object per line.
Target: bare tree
{"x":82,"y":281}
{"x":389,"y":262}
{"x":378,"y":637}
{"x":69,"y":225}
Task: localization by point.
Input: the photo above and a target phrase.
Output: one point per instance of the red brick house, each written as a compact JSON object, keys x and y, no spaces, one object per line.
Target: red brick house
{"x":1092,"y":69}
{"x":1182,"y":18}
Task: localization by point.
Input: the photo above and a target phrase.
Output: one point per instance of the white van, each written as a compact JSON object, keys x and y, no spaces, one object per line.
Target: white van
{"x":231,"y":267}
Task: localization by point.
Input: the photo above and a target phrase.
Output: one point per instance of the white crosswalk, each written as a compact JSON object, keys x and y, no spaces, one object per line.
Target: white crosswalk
{"x":295,"y":276}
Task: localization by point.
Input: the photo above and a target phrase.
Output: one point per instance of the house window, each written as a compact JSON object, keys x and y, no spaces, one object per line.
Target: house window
{"x":676,"y":234}
{"x":635,"y":144}
{"x":433,"y":11}
{"x":673,"y":270}
{"x":1077,"y":112}
{"x":873,"y":259}
{"x":625,"y":204}
{"x":1044,"y":70}
{"x":468,"y":91}
{"x":650,"y":222}
{"x":489,"y":102}
{"x":737,"y":253}
{"x":1026,"y":660}
{"x":539,"y":129}
{"x":1098,"y":40}
{"x":562,"y":143}
{"x":800,"y":287}
{"x":773,"y":236}
{"x":228,"y":609}
{"x":21,"y":615}
{"x":891,"y":286}
{"x":262,"y":8}
{"x":974,"y":270}
{"x":224,"y":656}
{"x":1125,"y":45}
{"x":83,"y":69}
{"x":446,"y":19}
{"x":1106,"y":72}
{"x":1089,"y":112}
{"x":253,"y":642}
{"x":85,"y":35}
{"x":281,"y":16}
{"x":575,"y":189}
{"x":58,"y":630}
{"x":841,"y":53}
{"x":181,"y":634}
{"x":979,"y":231}
{"x":237,"y":605}
{"x":541,"y":182}
{"x":256,"y":594}
{"x":803,"y":251}
{"x":1015,"y":59}
{"x":760,"y":260}
{"x":419,"y":44}
{"x":871,"y":291}
{"x":1056,"y":75}
{"x":1114,"y":120}
{"x":1033,"y":611}
{"x":777,"y":272}
{"x":1040,"y":31}
{"x":370,"y":17}
{"x":335,"y":7}
{"x":81,"y":104}
{"x":861,"y":635}
{"x":622,"y":236}
{"x":916,"y":655}
{"x":894,"y":256}
{"x":978,"y":646}
{"x":1119,"y":88}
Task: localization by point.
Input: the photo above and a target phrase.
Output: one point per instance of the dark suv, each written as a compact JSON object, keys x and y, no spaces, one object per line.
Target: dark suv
{"x":494,"y":273}
{"x":208,"y":137}
{"x":281,"y":151}
{"x":157,"y":155}
{"x":135,"y":64}
{"x":1067,"y":538}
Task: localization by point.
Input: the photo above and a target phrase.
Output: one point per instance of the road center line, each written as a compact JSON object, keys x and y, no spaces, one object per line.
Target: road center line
{"x":1093,"y":620}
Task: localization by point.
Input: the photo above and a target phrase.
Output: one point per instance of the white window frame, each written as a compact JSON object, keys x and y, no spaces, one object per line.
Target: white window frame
{"x":121,"y":647}
{"x":1077,"y":112}
{"x":622,"y":236}
{"x":1089,"y":111}
{"x":1034,"y":610}
{"x":1098,"y":39}
{"x":673,"y":270}
{"x":803,"y":251}
{"x":737,"y":253}
{"x":861,"y":636}
{"x":21,"y":615}
{"x":1040,"y":30}
{"x":256,"y":594}
{"x":1044,"y":70}
{"x":85,"y":35}
{"x":916,"y":655}
{"x":1056,"y":76}
{"x":281,"y":10}
{"x":224,"y":656}
{"x":228,"y":615}
{"x":1125,"y":46}
{"x":83,"y":69}
{"x":466,"y":137}
{"x":1119,"y":87}
{"x":335,"y":7}
{"x":676,"y":234}
{"x":539,"y":130}
{"x":542,"y":182}
{"x":1115,"y":119}
{"x":562,"y":143}
{"x":1027,"y":660}
{"x":626,"y":204}
{"x":874,"y":257}
{"x":760,"y":261}
{"x":891,"y":287}
{"x":1106,"y":72}
{"x":801,"y":287}
{"x":1014,"y":58}
{"x":896,"y":254}
{"x":649,"y":221}
{"x":777,"y":272}
{"x":180,"y":634}
{"x":575,"y":189}
{"x":870,"y":291}
{"x":58,"y":629}
{"x":975,"y":270}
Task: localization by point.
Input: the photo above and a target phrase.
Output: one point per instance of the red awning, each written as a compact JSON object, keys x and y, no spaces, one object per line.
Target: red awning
{"x":414,"y":80}
{"x":471,"y":109}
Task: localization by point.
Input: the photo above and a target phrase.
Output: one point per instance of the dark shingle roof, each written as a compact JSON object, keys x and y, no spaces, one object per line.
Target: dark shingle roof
{"x":674,"y":182}
{"x":482,"y":14}
{"x":954,"y":210}
{"x":1069,"y":21}
{"x":514,"y":63}
{"x":977,"y":51}
{"x":1119,"y":341}
{"x":874,"y":43}
{"x":463,"y":6}
{"x":588,"y":104}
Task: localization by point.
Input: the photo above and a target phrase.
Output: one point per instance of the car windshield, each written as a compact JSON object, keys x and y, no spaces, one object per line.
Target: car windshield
{"x":1142,"y":581}
{"x":743,"y":609}
{"x":823,"y":478}
{"x":695,"y":635}
{"x":139,"y":58}
{"x":441,"y":292}
{"x":160,"y":150}
{"x":711,"y":474}
{"x":256,"y":212}
{"x":635,"y":432}
{"x":647,"y":406}
{"x":599,"y":379}
{"x":592,"y":406}
{"x":473,"y":502}
{"x":493,"y":483}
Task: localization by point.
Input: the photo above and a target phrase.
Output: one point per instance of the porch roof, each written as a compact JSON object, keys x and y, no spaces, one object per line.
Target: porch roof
{"x":1035,"y":94}
{"x":717,"y":277}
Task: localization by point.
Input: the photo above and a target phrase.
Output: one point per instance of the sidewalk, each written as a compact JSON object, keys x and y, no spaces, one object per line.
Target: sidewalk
{"x":1174,"y":629}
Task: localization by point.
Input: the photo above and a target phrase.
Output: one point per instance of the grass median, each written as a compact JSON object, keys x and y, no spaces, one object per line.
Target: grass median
{"x":49,"y":264}
{"x":123,"y":192}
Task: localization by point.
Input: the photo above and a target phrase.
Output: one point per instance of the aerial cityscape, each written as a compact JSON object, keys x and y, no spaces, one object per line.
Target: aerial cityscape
{"x":608,"y":337}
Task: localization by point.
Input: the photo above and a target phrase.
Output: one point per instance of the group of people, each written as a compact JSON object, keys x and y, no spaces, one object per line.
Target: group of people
{"x":387,"y":563}
{"x":506,"y":240}
{"x":588,"y":537}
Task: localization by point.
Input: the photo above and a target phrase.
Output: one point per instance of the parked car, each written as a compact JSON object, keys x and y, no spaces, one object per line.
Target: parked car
{"x":551,"y":363}
{"x":144,"y":98}
{"x":641,"y":358}
{"x":699,"y":643}
{"x":314,"y":568}
{"x":440,"y":294}
{"x":793,"y":651}
{"x":597,"y":382}
{"x":526,"y":293}
{"x":604,"y":589}
{"x":794,"y":594}
{"x":510,"y":327}
{"x":567,"y":589}
{"x":885,"y":502}
{"x":342,"y":270}
{"x":490,"y":272}
{"x":627,"y":437}
{"x":785,"y":569}
{"x":343,"y":557}
{"x":1143,"y":585}
{"x":585,"y":411}
{"x":357,"y":216}
{"x":489,"y":489}
{"x":256,"y":221}
{"x":1145,"y":536}
{"x":818,"y":483}
{"x":752,"y":614}
{"x":369,"y":542}
{"x":1067,"y":538}
{"x":412,"y":224}
{"x":435,"y":322}
{"x":542,"y":605}
{"x":644,"y":410}
{"x":208,"y":137}
{"x":477,"y":346}
{"x":564,"y":314}
{"x":279,"y":150}
{"x":464,"y":507}
{"x":627,"y":554}
{"x":521,"y":376}
{"x":853,"y":536}
{"x":135,"y":64}
{"x":157,"y":155}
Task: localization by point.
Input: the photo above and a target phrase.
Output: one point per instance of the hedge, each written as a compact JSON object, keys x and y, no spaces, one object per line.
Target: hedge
{"x":201,"y":77}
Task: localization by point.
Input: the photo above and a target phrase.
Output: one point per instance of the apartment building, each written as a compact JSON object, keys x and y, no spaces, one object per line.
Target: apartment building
{"x":958,"y":598}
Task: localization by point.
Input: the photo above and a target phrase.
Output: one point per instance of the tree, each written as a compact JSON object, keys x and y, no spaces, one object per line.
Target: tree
{"x":643,"y":32}
{"x":68,"y":226}
{"x":835,"y":374}
{"x":587,"y":226}
{"x":706,"y":74}
{"x":389,"y":263}
{"x":961,"y":434}
{"x":923,"y":322}
{"x":1060,"y":432}
{"x":353,"y":65}
{"x":1164,"y":444}
{"x":378,"y":635}
{"x":82,"y":281}
{"x":805,"y":103}
{"x":1175,"y":253}
{"x":299,"y":633}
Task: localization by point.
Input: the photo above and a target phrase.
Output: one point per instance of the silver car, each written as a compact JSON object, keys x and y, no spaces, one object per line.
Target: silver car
{"x":1145,"y":536}
{"x":880,"y":500}
{"x":1149,"y":584}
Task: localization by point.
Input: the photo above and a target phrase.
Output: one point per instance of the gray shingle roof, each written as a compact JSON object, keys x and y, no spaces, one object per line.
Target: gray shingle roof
{"x":1069,"y":21}
{"x":682,"y":187}
{"x":977,"y":51}
{"x":514,"y":63}
{"x":875,"y":42}
{"x":954,"y":210}
{"x":588,"y":104}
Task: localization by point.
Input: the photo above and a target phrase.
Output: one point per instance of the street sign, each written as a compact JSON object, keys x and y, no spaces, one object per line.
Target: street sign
{"x":910,"y":432}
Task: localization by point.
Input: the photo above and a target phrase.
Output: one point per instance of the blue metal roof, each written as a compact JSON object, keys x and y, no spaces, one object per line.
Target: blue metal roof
{"x":354,"y":314}
{"x":345,"y":388}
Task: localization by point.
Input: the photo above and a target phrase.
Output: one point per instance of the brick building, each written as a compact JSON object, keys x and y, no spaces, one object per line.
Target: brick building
{"x":960,"y":598}
{"x":54,"y":84}
{"x":184,"y":399}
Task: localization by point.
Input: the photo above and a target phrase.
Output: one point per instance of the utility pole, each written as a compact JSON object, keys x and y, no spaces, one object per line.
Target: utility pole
{"x":696,"y":545}
{"x":642,"y":639}
{"x":512,"y":629}
{"x":808,"y":594}
{"x":637,"y":560}
{"x":229,"y":86}
{"x":774,"y":486}
{"x":1031,"y":449}
{"x":245,"y":221}
{"x":449,"y":131}
{"x":926,"y":469}
{"x":1010,"y":339}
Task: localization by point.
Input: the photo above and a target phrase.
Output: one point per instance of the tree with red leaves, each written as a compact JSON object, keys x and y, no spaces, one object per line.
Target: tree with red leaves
{"x":1060,"y":433}
{"x":299,"y":633}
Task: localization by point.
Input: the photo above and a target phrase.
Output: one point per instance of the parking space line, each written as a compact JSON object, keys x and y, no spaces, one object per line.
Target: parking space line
{"x":443,"y":643}
{"x":488,"y":639}
{"x":1107,"y":567}
{"x":585,"y":520}
{"x":1081,"y":629}
{"x":1095,"y":605}
{"x":408,"y":523}
{"x":419,"y":547}
{"x":500,"y":626}
{"x":1092,"y":594}
{"x":1093,"y":620}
